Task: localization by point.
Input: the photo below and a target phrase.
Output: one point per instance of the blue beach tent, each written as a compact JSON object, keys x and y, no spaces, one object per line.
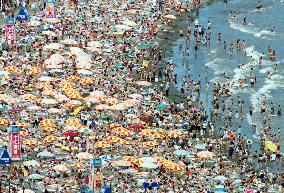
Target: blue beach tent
{"x":23,"y":14}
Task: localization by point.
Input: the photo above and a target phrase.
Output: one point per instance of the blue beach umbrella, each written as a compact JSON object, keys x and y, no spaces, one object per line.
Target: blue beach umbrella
{"x":181,"y":153}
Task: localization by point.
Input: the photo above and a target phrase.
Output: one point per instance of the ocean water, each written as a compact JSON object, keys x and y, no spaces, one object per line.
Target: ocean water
{"x":258,"y":36}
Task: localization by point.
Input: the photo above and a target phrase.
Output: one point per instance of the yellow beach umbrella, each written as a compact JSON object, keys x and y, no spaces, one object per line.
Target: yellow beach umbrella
{"x":150,"y":144}
{"x":271,"y":146}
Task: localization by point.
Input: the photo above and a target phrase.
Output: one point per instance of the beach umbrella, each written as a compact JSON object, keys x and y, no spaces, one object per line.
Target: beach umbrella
{"x":52,"y":20}
{"x":84,"y":156}
{"x":122,"y":131}
{"x":176,"y":168}
{"x":45,"y":79}
{"x":136,"y":96}
{"x":220,"y":178}
{"x":77,"y":166}
{"x":33,"y":23}
{"x":112,"y":139}
{"x":31,"y":142}
{"x":101,"y":144}
{"x":181,"y":153}
{"x":50,"y":138}
{"x":200,"y":146}
{"x":86,"y":81}
{"x":13,"y":69}
{"x":24,"y":133}
{"x":136,"y":126}
{"x":70,"y":134}
{"x":205,"y":154}
{"x":34,"y":71}
{"x":129,"y":158}
{"x":34,"y":108}
{"x":56,"y":71}
{"x":220,"y":189}
{"x":157,"y":136}
{"x":159,"y":159}
{"x":4,"y":122}
{"x":122,"y":163}
{"x":49,"y":129}
{"x":4,"y":73}
{"x":32,"y":163}
{"x":129,"y":23}
{"x":173,"y":134}
{"x":53,"y":46}
{"x":60,"y":168}
{"x":149,"y":165}
{"x":123,"y":142}
{"x":55,"y":111}
{"x":102,"y":107}
{"x":47,"y":123}
{"x":122,"y":27}
{"x":73,"y":78}
{"x":73,"y":121}
{"x":161,"y":106}
{"x":49,"y":33}
{"x":95,"y":44}
{"x":144,"y":83}
{"x":26,"y":191}
{"x":271,"y":146}
{"x":35,"y":177}
{"x":49,"y":101}
{"x":170,"y":17}
{"x":45,"y":154}
{"x":70,"y":42}
{"x":146,"y":132}
{"x":150,"y":144}
{"x":148,"y":159}
{"x":47,"y":27}
{"x":85,"y":72}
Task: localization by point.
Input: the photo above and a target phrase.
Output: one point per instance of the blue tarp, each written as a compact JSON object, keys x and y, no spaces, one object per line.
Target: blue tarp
{"x":23,"y":15}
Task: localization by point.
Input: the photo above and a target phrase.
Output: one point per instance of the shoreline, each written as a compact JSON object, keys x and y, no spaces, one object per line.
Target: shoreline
{"x":167,"y":40}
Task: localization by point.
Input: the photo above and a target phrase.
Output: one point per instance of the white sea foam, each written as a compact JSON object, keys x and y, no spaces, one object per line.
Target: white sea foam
{"x":216,"y":65}
{"x":251,"y":30}
{"x":265,"y":70}
{"x":275,"y":82}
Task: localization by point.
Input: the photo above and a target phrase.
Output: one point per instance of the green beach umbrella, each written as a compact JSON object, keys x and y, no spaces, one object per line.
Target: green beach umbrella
{"x":161,"y":107}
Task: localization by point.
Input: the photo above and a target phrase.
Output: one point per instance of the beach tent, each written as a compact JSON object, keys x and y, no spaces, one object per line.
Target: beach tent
{"x":23,"y":14}
{"x":4,"y":157}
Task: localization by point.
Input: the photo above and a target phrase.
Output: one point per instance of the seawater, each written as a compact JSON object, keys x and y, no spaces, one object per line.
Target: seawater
{"x":258,"y":36}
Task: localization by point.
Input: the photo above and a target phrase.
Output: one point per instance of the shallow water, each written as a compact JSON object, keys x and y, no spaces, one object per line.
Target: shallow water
{"x":258,"y":37}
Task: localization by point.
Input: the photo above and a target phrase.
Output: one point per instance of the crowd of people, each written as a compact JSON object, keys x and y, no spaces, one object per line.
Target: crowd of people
{"x":92,"y":84}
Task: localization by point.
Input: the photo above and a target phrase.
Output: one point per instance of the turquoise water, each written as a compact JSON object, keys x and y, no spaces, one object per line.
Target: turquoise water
{"x":258,"y":36}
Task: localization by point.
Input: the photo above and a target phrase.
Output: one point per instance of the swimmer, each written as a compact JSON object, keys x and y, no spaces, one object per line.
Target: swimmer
{"x":259,"y":6}
{"x":245,"y":21}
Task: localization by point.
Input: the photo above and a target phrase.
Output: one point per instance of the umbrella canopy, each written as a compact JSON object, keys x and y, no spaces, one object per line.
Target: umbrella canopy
{"x":60,"y":168}
{"x":144,"y":83}
{"x":77,"y":166}
{"x":35,"y":177}
{"x":161,"y":106}
{"x":84,"y":156}
{"x":26,"y":191}
{"x":147,"y":159}
{"x":150,"y":144}
{"x":32,"y":163}
{"x":149,"y":165}
{"x":200,"y":146}
{"x":122,"y":163}
{"x":205,"y":154}
{"x":271,"y":146}
{"x":181,"y":153}
{"x":45,"y":154}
